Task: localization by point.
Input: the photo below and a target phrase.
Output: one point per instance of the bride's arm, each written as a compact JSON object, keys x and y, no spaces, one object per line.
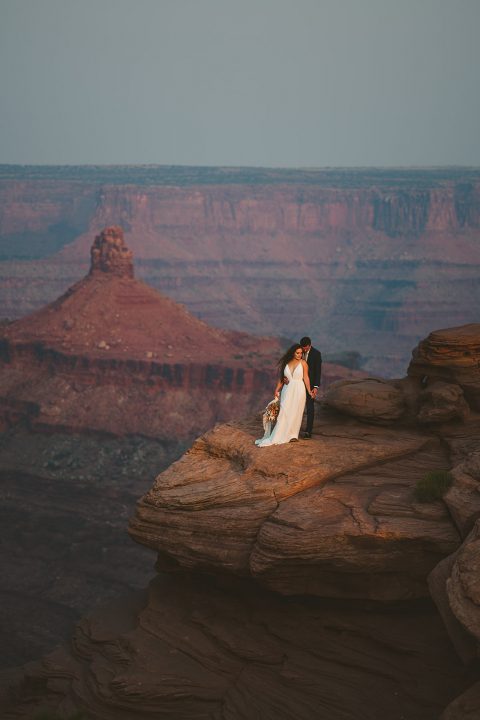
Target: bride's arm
{"x":306,"y":379}
{"x":278,"y":388}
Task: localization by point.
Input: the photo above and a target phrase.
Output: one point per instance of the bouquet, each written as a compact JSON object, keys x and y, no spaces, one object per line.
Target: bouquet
{"x":270,"y":415}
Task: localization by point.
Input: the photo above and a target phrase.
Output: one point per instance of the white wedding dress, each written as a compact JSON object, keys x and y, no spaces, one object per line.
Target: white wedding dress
{"x":292,"y":405}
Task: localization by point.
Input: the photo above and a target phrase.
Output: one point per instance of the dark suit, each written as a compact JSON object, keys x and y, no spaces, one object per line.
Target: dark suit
{"x":314,"y":362}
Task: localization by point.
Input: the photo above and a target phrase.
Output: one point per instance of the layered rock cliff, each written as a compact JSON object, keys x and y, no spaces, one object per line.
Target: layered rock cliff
{"x":293,"y":580}
{"x":360,"y":259}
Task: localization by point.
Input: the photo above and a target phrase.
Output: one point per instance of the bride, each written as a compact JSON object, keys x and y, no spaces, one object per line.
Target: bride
{"x":292,"y":383}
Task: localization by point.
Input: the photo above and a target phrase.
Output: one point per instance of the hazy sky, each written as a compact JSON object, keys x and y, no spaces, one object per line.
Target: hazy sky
{"x":240,"y":82}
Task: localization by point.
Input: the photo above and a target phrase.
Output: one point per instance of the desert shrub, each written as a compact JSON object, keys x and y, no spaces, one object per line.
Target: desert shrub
{"x":433,"y":486}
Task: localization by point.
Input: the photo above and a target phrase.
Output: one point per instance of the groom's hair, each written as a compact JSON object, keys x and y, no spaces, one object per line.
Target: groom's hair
{"x":305,"y":341}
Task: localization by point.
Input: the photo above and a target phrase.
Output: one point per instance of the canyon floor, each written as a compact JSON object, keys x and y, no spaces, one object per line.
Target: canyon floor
{"x":66,"y":500}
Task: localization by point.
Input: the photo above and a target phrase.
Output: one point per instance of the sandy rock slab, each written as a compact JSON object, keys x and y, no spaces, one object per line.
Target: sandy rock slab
{"x":195,"y":648}
{"x":334,"y":516}
{"x":369,"y":399}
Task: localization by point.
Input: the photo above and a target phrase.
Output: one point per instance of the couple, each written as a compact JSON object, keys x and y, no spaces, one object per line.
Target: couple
{"x":299,"y":381}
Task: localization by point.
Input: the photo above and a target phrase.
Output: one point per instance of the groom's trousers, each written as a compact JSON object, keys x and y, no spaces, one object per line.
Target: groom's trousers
{"x":310,"y":414}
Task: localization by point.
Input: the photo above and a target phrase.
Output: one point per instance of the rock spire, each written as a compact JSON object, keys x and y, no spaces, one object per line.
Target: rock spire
{"x":109,"y":254}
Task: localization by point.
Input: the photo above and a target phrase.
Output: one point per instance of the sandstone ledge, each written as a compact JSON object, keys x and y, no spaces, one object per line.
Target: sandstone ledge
{"x":331,"y":517}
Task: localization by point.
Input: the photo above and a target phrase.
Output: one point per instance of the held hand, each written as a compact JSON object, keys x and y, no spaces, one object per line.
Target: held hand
{"x":285,"y":380}
{"x":314,"y":392}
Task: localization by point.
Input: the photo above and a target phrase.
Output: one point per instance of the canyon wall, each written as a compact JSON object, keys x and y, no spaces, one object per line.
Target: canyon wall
{"x":295,"y":582}
{"x":369,"y":260}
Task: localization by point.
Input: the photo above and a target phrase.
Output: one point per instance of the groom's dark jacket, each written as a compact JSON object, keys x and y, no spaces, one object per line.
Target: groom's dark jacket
{"x":314,"y":363}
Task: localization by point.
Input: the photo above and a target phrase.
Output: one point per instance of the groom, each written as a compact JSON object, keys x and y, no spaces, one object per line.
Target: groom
{"x":313,"y":359}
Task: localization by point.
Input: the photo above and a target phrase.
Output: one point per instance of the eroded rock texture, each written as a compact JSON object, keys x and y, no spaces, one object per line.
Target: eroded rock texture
{"x":293,"y":581}
{"x":194,"y":648}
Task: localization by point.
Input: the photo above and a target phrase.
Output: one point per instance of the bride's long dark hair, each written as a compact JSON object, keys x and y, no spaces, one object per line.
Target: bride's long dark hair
{"x":285,"y":359}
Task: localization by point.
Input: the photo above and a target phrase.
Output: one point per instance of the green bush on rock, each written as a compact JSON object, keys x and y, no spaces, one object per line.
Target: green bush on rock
{"x":433,"y":486}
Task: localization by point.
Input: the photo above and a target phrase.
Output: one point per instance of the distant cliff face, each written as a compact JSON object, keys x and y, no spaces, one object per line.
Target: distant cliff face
{"x":364,"y":260}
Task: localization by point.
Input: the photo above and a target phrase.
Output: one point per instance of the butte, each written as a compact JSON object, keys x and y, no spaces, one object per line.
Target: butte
{"x":114,"y":355}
